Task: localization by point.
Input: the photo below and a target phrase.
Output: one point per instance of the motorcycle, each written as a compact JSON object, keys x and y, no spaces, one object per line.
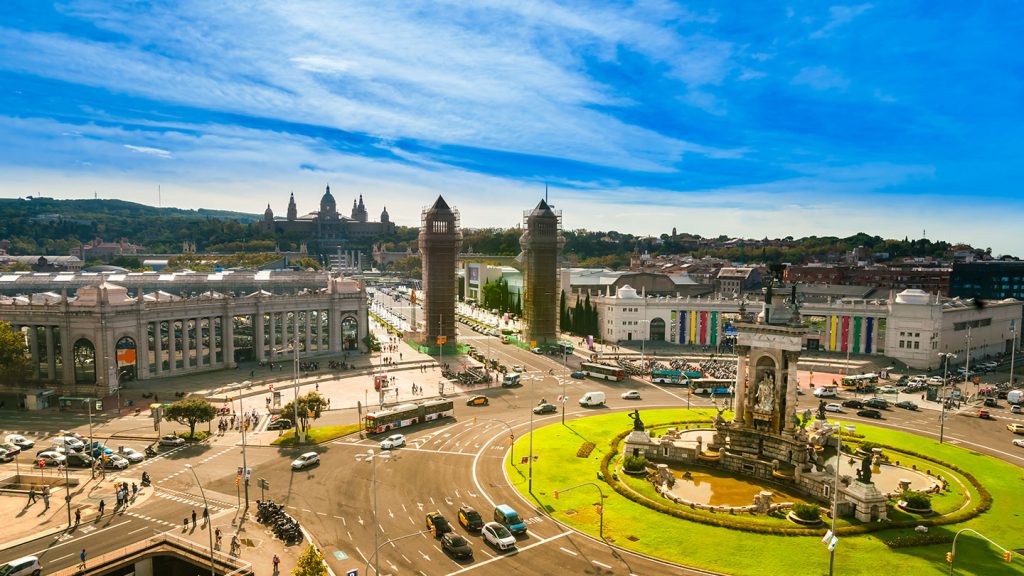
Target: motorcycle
{"x":145,"y":479}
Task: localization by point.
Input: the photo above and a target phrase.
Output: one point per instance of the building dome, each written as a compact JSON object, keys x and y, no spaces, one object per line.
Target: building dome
{"x":384,"y":217}
{"x":268,"y":214}
{"x":626,"y":291}
{"x":328,"y":207}
{"x":913,"y":296}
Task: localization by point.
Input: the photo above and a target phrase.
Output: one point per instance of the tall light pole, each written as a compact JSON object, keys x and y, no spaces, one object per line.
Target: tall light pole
{"x":967,"y":367}
{"x":945,"y":388}
{"x":530,"y":465}
{"x":67,"y":484}
{"x":207,"y":505}
{"x":1013,"y":352}
{"x":600,"y":504}
{"x":245,"y":467}
{"x":372,"y":458}
{"x":89,"y":402}
{"x":835,"y":496}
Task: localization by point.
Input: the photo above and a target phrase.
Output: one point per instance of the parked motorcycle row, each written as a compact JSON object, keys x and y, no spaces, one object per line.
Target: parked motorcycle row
{"x":284,"y":526}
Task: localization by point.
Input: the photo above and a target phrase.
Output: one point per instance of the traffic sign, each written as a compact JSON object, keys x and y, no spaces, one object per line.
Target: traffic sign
{"x":271,"y":387}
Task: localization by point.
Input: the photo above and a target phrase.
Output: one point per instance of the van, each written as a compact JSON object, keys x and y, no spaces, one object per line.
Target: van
{"x":510,"y":379}
{"x":509,"y":518}
{"x":27,"y":566}
{"x":592,"y":399}
{"x":825,"y":393}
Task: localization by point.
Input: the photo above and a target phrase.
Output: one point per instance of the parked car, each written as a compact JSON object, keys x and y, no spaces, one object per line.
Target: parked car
{"x":498,"y":536}
{"x":887,"y":390}
{"x":26,"y":566}
{"x":80,"y":460}
{"x":1018,"y":442}
{"x":833,"y":407}
{"x":1016,"y":409}
{"x":51,"y":457}
{"x":991,"y":403}
{"x":478,"y":401}
{"x":305,"y":461}
{"x":545,"y":409}
{"x":869,"y":413}
{"x":171,"y":440}
{"x":5,"y":456}
{"x":69,"y":442}
{"x":437,"y":524}
{"x":578,"y":374}
{"x":631,"y":395}
{"x":20,"y":441}
{"x":469,"y":518}
{"x":114,"y":461}
{"x":131,"y":454}
{"x":456,"y":545}
{"x":280,"y":424}
{"x":906,"y":405}
{"x":853,"y":404}
{"x":878,"y":403}
{"x":12,"y":449}
{"x":392,"y":442}
{"x":1015,"y":428}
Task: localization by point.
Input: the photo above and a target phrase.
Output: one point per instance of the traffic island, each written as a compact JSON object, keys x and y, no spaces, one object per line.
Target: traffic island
{"x":637,"y":517}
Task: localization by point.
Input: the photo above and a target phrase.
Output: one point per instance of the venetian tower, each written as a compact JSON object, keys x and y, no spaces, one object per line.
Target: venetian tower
{"x":541,"y":243}
{"x":440,"y":242}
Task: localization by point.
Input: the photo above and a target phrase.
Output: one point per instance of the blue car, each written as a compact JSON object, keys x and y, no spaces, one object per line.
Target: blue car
{"x":579,"y":375}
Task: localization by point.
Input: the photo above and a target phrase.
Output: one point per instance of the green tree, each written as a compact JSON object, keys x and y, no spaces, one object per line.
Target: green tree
{"x":310,"y":406}
{"x":14,"y":359}
{"x":191,"y":411}
{"x":310,"y":563}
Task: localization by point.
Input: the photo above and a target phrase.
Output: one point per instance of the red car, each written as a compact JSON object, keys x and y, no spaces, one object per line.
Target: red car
{"x":984,"y":414}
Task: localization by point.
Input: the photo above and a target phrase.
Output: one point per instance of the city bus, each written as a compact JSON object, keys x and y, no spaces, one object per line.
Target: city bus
{"x":407,"y":415}
{"x":711,"y":386}
{"x":860,"y":383}
{"x":603,"y":371}
{"x":667,"y":377}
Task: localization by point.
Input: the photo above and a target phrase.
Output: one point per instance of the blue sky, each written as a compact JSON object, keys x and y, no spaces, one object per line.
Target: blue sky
{"x":739,"y":118}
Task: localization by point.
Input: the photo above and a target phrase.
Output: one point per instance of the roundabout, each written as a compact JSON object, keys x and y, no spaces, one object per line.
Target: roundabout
{"x":723,"y":535}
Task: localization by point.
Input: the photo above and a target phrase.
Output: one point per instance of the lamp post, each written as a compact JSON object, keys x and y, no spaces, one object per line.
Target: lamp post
{"x":67,"y":484}
{"x":383,"y":544}
{"x":951,"y":555}
{"x":245,"y":467}
{"x":945,"y":388}
{"x":600,"y":504}
{"x":529,"y":481}
{"x":372,"y":457}
{"x":207,"y":505}
{"x":89,"y":402}
{"x":1013,"y":352}
{"x":835,"y":496}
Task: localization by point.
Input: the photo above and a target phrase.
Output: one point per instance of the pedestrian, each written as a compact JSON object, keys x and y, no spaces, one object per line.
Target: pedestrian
{"x":217,"y":537}
{"x":46,"y":498}
{"x":78,"y":516}
{"x":135,"y":490}
{"x":82,"y":558}
{"x":103,"y":506}
{"x":193,"y":517}
{"x":277,"y":562}
{"x":185,"y":524}
{"x":31,"y":495}
{"x":206,"y":515}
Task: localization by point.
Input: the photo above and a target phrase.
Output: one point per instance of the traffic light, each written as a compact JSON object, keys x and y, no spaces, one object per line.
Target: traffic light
{"x":1008,"y":556}
{"x":597,"y":508}
{"x":556,"y":494}
{"x":238,"y":481}
{"x":949,"y":557}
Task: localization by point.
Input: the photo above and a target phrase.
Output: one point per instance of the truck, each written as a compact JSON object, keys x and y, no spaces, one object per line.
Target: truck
{"x":592,"y":399}
{"x":1015,"y":396}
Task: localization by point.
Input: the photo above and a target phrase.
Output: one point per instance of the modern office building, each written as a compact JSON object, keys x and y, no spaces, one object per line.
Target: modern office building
{"x":989,"y":280}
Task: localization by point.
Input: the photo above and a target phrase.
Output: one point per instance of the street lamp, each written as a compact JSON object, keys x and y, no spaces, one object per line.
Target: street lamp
{"x":245,"y":467}
{"x":600,"y":504}
{"x":67,"y":484}
{"x":295,"y":390}
{"x":372,"y":457}
{"x":945,"y":388}
{"x":835,"y":495}
{"x":209,"y":531}
{"x":1013,"y":352}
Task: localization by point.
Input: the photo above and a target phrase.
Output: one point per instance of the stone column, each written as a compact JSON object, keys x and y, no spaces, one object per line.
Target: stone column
{"x":261,"y":342}
{"x":309,"y":329}
{"x":227,"y":339}
{"x":158,"y":345}
{"x":51,"y":356}
{"x":791,"y":387}
{"x":200,"y":348}
{"x":273,"y":334}
{"x":742,"y":358}
{"x":66,"y":354}
{"x":172,"y":345}
{"x":141,"y":347}
{"x":334,"y":327}
{"x":33,"y":348}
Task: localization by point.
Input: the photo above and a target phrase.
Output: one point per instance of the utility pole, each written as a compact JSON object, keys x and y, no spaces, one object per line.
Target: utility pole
{"x":1013,"y":353}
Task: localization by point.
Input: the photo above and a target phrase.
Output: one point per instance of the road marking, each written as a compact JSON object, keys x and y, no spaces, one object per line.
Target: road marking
{"x":407,"y":561}
{"x":425,"y":557}
{"x":343,"y":522}
{"x":349,"y":535}
{"x":83,"y":536}
{"x":567,"y":551}
{"x":432,"y":503}
{"x":139,"y":530}
{"x":321,"y":514}
{"x":515,"y":552}
{"x":360,"y":520}
{"x":390,"y":513}
{"x":393,"y":567}
{"x":601,"y":564}
{"x":404,"y":509}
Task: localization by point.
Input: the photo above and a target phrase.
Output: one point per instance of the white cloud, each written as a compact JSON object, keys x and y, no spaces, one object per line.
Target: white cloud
{"x":840,"y":16}
{"x":149,"y":151}
{"x":820,"y":78}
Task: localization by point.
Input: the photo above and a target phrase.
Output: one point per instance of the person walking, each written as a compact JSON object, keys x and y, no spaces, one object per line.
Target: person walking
{"x":206,"y":516}
{"x":216,"y":538}
{"x":46,"y":498}
{"x":103,"y":505}
{"x":82,"y":558}
{"x":78,"y":516}
{"x":193,"y":518}
{"x":31,"y":495}
{"x":277,"y":563}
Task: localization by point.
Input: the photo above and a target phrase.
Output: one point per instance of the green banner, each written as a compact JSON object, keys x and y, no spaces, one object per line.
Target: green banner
{"x":856,"y":334}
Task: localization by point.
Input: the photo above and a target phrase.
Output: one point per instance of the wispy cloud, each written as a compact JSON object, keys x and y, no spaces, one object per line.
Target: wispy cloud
{"x":840,"y":16}
{"x":149,"y":150}
{"x":820,"y":78}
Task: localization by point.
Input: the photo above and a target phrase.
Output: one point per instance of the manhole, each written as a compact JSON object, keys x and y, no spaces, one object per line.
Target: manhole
{"x":570,"y":512}
{"x":632,"y":538}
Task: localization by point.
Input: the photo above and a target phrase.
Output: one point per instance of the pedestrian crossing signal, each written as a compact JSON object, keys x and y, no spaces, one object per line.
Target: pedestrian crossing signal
{"x":949,"y":557}
{"x":556,"y":494}
{"x":1008,"y":556}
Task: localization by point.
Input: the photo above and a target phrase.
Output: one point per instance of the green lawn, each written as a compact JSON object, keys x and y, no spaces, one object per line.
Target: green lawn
{"x":722,"y":549}
{"x":317,"y":434}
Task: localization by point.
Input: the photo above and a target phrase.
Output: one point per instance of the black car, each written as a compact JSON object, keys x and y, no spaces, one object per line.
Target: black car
{"x":906,"y":404}
{"x":79,"y":460}
{"x":437,"y":524}
{"x":456,"y":545}
{"x":991,"y":402}
{"x":853,"y":404}
{"x":280,"y":424}
{"x":469,"y":518}
{"x":869,"y":413}
{"x":879,"y":403}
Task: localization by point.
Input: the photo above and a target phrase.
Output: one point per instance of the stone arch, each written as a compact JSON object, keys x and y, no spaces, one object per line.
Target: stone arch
{"x":349,"y":333}
{"x":126,"y":352}
{"x":657,"y":329}
{"x":84,"y":354}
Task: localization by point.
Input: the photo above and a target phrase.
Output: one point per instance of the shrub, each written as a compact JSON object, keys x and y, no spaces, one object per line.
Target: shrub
{"x":807,"y":512}
{"x":918,"y":500}
{"x":869,"y":446}
{"x":634,"y":463}
{"x":585,"y":450}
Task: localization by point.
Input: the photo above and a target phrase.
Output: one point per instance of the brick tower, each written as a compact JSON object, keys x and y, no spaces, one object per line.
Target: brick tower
{"x":541,"y":243}
{"x":440,"y":241}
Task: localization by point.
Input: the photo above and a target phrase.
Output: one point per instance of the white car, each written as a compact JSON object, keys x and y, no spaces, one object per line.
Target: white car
{"x":517,"y":368}
{"x":132,"y":455}
{"x":69,"y":442}
{"x":498,"y":536}
{"x":27,"y":566}
{"x":934,"y":380}
{"x":171,"y":440}
{"x":19,"y":441}
{"x":833,"y":407}
{"x":1019,"y":442}
{"x":306,"y":460}
{"x":116,"y":462}
{"x":887,"y":390}
{"x":393,"y":441}
{"x":631,"y":395}
{"x":51,"y":457}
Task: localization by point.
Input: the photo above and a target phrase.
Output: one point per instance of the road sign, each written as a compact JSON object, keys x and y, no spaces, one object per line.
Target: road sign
{"x":352,"y":572}
{"x":271,"y":387}
{"x":238,"y":472}
{"x":442,"y":340}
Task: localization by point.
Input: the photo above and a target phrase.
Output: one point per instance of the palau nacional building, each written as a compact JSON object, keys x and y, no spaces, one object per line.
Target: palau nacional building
{"x":87,"y":331}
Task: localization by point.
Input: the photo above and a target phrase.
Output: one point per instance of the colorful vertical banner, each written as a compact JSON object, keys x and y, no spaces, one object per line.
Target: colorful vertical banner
{"x":856,"y":334}
{"x":869,"y":333}
{"x":846,"y":332}
{"x":693,"y":327}
{"x":672,"y":327}
{"x":703,"y":328}
{"x":832,"y":333}
{"x":684,"y":326}
{"x":714,"y":328}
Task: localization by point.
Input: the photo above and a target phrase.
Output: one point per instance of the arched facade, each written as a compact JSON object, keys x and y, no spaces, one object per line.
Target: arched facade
{"x":84,"y":354}
{"x":657,"y":329}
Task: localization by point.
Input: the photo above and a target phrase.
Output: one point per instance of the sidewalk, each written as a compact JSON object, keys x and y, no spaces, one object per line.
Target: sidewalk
{"x":35,"y":521}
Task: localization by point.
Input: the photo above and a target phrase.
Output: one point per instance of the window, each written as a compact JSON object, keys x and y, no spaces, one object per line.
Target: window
{"x":917,"y":345}
{"x":901,"y":343}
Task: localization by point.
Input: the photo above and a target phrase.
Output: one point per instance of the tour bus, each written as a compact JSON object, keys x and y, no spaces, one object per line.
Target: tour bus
{"x":667,"y":377}
{"x":407,"y":415}
{"x":859,"y":383}
{"x":711,"y":386}
{"x":603,"y":371}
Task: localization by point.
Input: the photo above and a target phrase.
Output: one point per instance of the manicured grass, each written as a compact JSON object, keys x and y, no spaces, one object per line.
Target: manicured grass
{"x":317,"y":434}
{"x":737,"y":552}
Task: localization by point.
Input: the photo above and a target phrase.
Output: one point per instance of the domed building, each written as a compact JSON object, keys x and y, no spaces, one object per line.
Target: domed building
{"x":326,"y":227}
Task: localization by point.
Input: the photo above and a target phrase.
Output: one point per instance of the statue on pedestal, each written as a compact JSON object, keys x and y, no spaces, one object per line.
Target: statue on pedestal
{"x":766,"y":392}
{"x":638,"y":424}
{"x":864,"y":474}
